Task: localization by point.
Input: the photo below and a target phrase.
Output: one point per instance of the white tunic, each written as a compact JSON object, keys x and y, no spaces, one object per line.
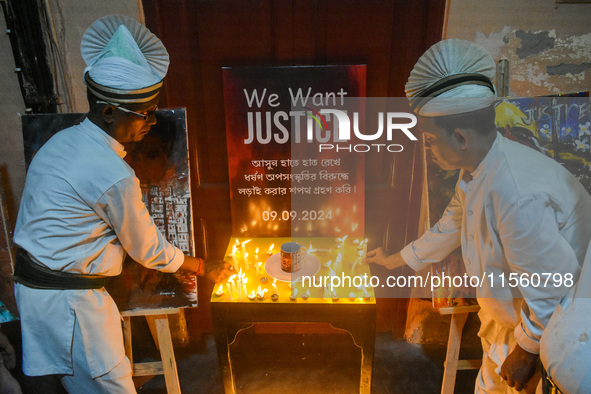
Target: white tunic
{"x":521,"y":213}
{"x":565,"y":347}
{"x":81,"y":212}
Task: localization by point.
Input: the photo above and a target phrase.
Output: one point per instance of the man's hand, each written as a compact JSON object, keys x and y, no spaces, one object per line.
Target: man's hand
{"x":518,"y":368}
{"x":216,"y":270}
{"x":379,"y":257}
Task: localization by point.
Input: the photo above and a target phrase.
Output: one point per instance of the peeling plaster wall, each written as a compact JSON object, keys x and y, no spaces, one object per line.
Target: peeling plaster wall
{"x":12,"y":157}
{"x":548,"y":45}
{"x":70,"y":19}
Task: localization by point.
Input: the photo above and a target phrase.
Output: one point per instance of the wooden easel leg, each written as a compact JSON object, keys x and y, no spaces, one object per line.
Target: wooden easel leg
{"x":153,"y":331}
{"x":458,"y":320}
{"x":166,"y":352}
{"x":127,"y":338}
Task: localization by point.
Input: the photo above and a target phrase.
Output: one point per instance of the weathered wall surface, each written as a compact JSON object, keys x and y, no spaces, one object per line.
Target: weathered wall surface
{"x":548,"y":45}
{"x":68,"y":19}
{"x":12,"y":158}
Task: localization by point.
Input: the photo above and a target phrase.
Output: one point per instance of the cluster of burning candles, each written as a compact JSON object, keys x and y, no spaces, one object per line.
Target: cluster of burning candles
{"x":251,"y":281}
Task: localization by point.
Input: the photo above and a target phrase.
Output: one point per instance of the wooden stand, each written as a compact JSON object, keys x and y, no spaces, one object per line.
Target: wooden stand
{"x":159,"y":326}
{"x":452,"y":363}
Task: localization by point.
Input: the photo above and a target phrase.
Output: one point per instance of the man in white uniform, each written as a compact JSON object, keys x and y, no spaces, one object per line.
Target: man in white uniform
{"x":82,"y":212}
{"x":515,"y":211}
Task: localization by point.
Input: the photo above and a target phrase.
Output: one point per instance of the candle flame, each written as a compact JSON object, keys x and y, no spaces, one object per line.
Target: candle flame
{"x":221,"y":289}
{"x":271,"y":248}
{"x":256,"y":251}
{"x":245,"y":242}
{"x":231,"y":278}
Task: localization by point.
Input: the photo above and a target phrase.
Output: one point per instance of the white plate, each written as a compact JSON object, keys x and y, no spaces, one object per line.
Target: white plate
{"x":310,"y":267}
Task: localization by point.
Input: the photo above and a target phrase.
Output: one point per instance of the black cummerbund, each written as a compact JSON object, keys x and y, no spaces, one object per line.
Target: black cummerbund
{"x":31,"y":274}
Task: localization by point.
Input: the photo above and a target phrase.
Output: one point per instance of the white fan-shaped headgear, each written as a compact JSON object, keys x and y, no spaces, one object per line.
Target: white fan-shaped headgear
{"x":125,"y":61}
{"x":453,"y":76}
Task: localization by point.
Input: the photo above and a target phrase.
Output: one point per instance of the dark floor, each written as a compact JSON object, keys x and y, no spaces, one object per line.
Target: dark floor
{"x":297,"y":363}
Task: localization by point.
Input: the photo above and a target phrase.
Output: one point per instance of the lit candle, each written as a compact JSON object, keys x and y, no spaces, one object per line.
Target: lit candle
{"x":244,"y":291}
{"x":229,"y":288}
{"x":252,"y":296}
{"x":338,"y":266}
{"x":256,"y":256}
{"x":354,"y":266}
{"x":243,"y":245}
{"x":258,"y":267}
{"x":332,"y":273}
{"x":352,"y":296}
{"x":234,"y":249}
{"x":231,"y":282}
{"x":335,"y":296}
{"x":294,"y":294}
{"x":270,"y":251}
{"x":261,"y":293}
{"x":306,"y":295}
{"x":246,"y":262}
{"x":220,"y":291}
{"x":275,"y":289}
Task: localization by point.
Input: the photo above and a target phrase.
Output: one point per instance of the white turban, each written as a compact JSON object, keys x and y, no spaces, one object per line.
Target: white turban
{"x":125,"y":61}
{"x":452,"y":77}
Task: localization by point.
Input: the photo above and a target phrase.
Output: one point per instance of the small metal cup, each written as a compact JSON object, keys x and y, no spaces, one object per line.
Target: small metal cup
{"x":292,"y":255}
